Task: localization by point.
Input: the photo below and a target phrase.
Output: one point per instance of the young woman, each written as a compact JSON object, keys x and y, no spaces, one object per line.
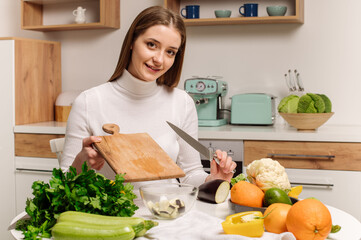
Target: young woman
{"x":141,"y":96}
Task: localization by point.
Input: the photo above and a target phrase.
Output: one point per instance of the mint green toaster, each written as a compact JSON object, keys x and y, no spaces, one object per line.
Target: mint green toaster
{"x":253,"y":109}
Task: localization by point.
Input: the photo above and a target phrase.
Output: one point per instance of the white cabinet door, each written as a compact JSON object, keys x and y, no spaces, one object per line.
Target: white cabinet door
{"x":7,"y":178}
{"x":340,"y":189}
{"x":27,"y":171}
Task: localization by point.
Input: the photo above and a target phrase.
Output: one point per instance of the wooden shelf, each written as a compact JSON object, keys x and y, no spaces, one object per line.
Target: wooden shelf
{"x":297,"y":17}
{"x":32,"y":13}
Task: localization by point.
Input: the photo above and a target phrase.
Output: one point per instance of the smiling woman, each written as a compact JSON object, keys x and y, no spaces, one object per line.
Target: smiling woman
{"x":154,"y":52}
{"x":140,"y":97}
{"x":165,"y":20}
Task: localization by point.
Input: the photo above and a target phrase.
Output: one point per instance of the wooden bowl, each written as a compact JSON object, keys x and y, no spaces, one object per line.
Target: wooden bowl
{"x":306,"y":121}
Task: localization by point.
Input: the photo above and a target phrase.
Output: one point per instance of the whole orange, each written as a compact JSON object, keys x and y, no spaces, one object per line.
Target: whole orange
{"x":247,"y":194}
{"x":309,"y":219}
{"x":275,"y":217}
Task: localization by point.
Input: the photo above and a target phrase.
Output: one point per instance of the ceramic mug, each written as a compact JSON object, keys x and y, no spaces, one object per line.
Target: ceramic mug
{"x":249,"y":10}
{"x":192,"y":11}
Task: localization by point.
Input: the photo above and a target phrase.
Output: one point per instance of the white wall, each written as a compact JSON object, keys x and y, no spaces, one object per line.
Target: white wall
{"x":251,"y":58}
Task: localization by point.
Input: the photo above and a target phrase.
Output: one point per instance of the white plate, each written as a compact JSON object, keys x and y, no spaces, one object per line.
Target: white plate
{"x":18,"y":235}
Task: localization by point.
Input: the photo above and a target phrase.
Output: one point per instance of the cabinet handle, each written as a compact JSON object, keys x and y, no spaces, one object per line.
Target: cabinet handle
{"x":330,"y":157}
{"x":313,"y":184}
{"x":33,"y":170}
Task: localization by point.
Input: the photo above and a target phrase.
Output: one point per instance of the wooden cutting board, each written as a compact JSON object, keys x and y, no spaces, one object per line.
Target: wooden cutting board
{"x":137,"y":155}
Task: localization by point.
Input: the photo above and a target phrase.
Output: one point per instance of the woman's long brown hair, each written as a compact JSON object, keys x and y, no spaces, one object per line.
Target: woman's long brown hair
{"x":147,"y":18}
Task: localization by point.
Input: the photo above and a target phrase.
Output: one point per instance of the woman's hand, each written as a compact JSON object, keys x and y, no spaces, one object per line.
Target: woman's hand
{"x":224,"y":169}
{"x":89,"y":154}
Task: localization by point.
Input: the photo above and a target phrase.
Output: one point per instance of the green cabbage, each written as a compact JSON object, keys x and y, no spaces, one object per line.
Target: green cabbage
{"x":308,"y":103}
{"x":328,"y":104}
{"x":288,"y":104}
{"x":311,"y":103}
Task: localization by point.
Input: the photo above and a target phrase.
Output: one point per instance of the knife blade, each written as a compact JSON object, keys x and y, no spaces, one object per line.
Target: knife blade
{"x":207,"y":152}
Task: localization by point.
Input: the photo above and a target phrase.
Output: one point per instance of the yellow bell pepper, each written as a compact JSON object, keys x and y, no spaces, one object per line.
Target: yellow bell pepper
{"x":249,"y":224}
{"x":295,"y":191}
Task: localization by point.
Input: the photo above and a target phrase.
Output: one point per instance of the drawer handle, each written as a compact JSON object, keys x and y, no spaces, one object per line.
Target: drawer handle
{"x":34,"y":170}
{"x":313,"y":184}
{"x":330,"y":157}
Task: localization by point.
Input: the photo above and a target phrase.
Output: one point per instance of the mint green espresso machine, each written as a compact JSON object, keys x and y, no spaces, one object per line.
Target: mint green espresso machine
{"x":207,"y":94}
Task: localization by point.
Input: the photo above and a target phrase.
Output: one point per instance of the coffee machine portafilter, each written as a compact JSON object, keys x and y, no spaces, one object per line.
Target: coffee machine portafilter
{"x":208,"y":94}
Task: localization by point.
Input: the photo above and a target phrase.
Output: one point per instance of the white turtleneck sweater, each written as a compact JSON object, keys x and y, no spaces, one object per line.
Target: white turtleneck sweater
{"x":136,"y":107}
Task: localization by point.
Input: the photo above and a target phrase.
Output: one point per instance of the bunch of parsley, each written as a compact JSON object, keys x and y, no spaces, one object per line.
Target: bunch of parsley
{"x":88,"y":192}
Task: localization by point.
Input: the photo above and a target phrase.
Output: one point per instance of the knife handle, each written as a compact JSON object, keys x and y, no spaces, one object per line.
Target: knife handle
{"x":217,"y":161}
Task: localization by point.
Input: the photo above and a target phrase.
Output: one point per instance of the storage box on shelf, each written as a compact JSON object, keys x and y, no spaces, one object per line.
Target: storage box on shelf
{"x":295,"y":12}
{"x":101,"y":14}
{"x":327,"y":171}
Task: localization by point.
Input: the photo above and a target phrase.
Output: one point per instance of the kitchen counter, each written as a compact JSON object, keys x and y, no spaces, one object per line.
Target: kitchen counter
{"x":278,"y":132}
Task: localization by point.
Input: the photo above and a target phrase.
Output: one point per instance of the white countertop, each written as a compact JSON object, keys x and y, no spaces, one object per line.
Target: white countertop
{"x":278,"y":132}
{"x":283,"y":132}
{"x":42,"y":128}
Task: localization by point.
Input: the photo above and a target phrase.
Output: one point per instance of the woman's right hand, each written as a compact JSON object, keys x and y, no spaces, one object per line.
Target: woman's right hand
{"x":89,"y":154}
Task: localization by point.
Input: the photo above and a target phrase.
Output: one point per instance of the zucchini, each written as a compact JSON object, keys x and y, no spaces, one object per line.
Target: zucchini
{"x":82,"y":231}
{"x":139,"y":225}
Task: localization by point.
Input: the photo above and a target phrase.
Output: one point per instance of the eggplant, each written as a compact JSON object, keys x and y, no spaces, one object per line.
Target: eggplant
{"x":167,"y":208}
{"x":215,"y":191}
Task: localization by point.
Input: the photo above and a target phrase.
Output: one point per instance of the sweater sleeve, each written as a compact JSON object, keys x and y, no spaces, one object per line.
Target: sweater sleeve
{"x":76,"y":130}
{"x":188,"y":158}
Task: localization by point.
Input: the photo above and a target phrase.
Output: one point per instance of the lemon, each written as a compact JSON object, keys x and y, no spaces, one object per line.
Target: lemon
{"x":276,"y":195}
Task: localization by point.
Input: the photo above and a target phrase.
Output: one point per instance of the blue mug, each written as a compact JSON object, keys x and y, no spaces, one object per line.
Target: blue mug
{"x":250,"y":10}
{"x":192,"y":11}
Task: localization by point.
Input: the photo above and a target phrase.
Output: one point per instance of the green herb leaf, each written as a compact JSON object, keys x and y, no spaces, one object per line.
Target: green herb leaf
{"x":335,"y":228}
{"x":87,"y":191}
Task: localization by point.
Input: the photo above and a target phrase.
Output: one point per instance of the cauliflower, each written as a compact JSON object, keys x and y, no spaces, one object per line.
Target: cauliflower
{"x":267,"y":173}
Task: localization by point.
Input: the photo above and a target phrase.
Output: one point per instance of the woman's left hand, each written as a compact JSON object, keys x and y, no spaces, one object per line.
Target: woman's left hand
{"x":224,"y":169}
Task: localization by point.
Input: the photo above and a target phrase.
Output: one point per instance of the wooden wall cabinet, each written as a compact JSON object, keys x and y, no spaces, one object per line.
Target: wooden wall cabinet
{"x":36,"y":67}
{"x":32,"y":14}
{"x":297,"y":15}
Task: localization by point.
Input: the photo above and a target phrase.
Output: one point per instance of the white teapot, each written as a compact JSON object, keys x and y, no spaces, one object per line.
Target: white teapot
{"x":79,"y":14}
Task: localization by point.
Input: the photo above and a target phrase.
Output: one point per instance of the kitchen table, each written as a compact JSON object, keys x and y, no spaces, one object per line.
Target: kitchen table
{"x":351,"y":227}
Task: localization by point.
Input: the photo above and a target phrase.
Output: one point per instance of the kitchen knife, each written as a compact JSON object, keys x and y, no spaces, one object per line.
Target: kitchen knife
{"x":292,"y":81}
{"x":288,"y":83}
{"x":207,"y":152}
{"x":299,"y":82}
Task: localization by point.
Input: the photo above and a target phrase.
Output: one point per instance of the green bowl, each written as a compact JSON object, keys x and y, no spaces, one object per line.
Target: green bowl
{"x":276,"y":10}
{"x":223,"y":13}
